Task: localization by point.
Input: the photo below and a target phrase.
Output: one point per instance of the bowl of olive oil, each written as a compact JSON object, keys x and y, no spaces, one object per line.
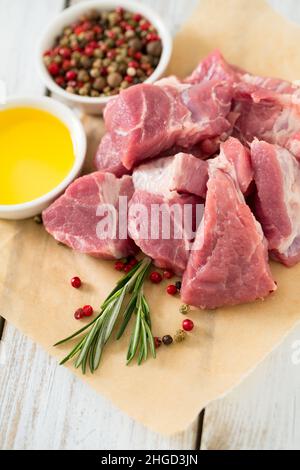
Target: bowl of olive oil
{"x":42,"y":150}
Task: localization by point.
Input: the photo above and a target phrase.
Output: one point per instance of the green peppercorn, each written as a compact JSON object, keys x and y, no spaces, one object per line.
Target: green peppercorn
{"x":95,"y":93}
{"x":38,"y":219}
{"x":85,"y":62}
{"x":98,"y":53}
{"x":97,"y":63}
{"x":112,"y":68}
{"x":154,"y":48}
{"x":179,"y":336}
{"x":114,"y":79}
{"x":70,"y":89}
{"x":124,"y":85}
{"x":135,"y":44}
{"x":83,"y":76}
{"x":167,"y":340}
{"x":131,"y":71}
{"x":129,"y":34}
{"x":99,"y":84}
{"x":83,"y":91}
{"x":95,"y":73}
{"x":184,"y":309}
{"x":57,"y":59}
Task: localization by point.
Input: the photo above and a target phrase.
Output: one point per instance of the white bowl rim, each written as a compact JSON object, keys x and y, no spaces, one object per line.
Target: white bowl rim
{"x":49,"y":105}
{"x":131,"y":5}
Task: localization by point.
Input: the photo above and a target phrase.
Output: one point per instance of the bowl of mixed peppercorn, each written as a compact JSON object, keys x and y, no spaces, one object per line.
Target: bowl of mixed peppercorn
{"x":94,"y":50}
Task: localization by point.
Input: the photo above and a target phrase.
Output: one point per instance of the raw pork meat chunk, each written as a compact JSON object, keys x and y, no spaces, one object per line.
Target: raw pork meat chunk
{"x":72,"y":219}
{"x":183,"y":173}
{"x":163,"y":222}
{"x":108,"y":157}
{"x":228,"y":263}
{"x":268,"y":116}
{"x":239,"y":156}
{"x":277,"y":178}
{"x":215,"y":67}
{"x":145,"y":119}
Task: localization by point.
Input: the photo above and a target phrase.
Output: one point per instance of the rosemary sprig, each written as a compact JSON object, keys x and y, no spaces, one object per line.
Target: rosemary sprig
{"x":88,"y":350}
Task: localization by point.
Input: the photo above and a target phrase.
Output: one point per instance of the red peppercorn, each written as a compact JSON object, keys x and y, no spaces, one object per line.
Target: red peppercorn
{"x":53,"y":69}
{"x":71,"y":75}
{"x":93,"y":44}
{"x":65,"y":52}
{"x":47,"y":53}
{"x":127,"y":268}
{"x":76,"y":282}
{"x":89,"y":51}
{"x":171,"y":289}
{"x":129,"y":27}
{"x":66,"y":65}
{"x":145,"y":26}
{"x":103,"y":71}
{"x":137,"y":17}
{"x":138,"y":55}
{"x":97,"y":29}
{"x":128,"y":79}
{"x":168,"y":274}
{"x":133,"y":64}
{"x":111,"y":34}
{"x":120,"y":10}
{"x":78,"y":30}
{"x":88,"y":310}
{"x":157,"y":342}
{"x":60,"y":81}
{"x":187,"y":325}
{"x":79,"y":314}
{"x":86,"y":25}
{"x":119,"y":266}
{"x":111,"y":54}
{"x":155,"y":277}
{"x":120,"y":42}
{"x":152,"y":37}
{"x":133,"y":262}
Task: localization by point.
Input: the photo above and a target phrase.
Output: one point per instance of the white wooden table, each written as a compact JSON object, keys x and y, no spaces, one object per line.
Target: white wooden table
{"x":43,"y":406}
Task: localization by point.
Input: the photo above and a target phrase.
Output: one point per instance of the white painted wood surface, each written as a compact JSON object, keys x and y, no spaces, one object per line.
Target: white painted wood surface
{"x":42,"y":406}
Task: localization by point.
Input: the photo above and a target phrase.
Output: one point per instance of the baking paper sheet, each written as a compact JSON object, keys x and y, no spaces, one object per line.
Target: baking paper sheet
{"x":165,"y":394}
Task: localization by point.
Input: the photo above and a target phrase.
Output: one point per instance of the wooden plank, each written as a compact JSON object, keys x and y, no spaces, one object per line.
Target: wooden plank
{"x":32,"y":386}
{"x":263,"y":412}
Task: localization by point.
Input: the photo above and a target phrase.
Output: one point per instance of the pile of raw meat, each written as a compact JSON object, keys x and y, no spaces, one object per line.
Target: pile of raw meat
{"x":221,"y":139}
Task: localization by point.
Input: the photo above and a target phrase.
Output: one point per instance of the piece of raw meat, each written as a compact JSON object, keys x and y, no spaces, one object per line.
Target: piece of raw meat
{"x":161,"y":221}
{"x":228,"y":263}
{"x":215,"y":67}
{"x":145,"y":120}
{"x":268,"y":116}
{"x":77,"y":218}
{"x":239,"y":156}
{"x":277,"y":178}
{"x":183,"y":173}
{"x":108,"y":157}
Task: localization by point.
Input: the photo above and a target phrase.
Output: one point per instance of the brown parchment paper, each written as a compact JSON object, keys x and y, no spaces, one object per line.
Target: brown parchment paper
{"x":165,"y":394}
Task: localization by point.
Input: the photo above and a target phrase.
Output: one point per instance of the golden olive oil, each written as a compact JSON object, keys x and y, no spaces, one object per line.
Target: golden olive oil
{"x":36,"y":154}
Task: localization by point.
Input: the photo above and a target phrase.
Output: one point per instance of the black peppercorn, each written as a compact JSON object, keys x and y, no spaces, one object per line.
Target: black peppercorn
{"x":178,"y":285}
{"x":167,"y":340}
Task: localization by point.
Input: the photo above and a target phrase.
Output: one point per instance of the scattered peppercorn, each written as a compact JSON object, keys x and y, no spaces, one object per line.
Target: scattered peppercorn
{"x":172,"y":289}
{"x":38,"y":219}
{"x":168,"y":274}
{"x":127,"y":45}
{"x":179,"y":336}
{"x":155,"y":277}
{"x":167,"y":340}
{"x":178,"y":285}
{"x":76,"y":282}
{"x":187,"y":325}
{"x":88,"y":310}
{"x":184,"y":309}
{"x":119,"y":266}
{"x":157,"y":342}
{"x":79,"y":314}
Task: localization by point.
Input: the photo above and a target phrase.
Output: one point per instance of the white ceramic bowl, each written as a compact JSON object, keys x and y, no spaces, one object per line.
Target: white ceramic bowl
{"x":62,"y":112}
{"x":88,"y":104}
